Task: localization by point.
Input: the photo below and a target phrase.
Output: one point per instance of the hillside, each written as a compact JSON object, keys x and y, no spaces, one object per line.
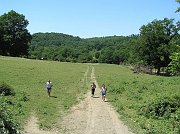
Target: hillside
{"x":62,"y":47}
{"x":54,"y":39}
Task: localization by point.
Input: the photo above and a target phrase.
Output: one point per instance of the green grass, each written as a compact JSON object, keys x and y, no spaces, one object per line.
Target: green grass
{"x":135,"y":96}
{"x":28,"y":78}
{"x":132,"y":94}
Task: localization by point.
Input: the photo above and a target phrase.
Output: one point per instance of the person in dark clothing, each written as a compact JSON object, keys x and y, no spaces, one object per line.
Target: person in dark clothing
{"x":93,"y":88}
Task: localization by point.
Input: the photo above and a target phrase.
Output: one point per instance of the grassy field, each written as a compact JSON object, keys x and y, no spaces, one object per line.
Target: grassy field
{"x":147,"y":103}
{"x":28,"y":78}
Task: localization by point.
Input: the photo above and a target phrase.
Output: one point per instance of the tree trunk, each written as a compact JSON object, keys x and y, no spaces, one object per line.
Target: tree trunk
{"x":158,"y":71}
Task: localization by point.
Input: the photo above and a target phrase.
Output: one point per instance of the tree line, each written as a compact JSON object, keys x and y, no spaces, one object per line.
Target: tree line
{"x":62,"y":47}
{"x":157,"y":44}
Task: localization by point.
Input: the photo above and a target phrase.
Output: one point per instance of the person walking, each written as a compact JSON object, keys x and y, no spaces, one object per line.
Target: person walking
{"x":49,"y":87}
{"x":93,"y":88}
{"x":103,"y":90}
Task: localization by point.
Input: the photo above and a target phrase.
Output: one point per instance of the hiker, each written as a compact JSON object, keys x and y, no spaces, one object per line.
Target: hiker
{"x":49,"y":87}
{"x":93,"y":87}
{"x":103,"y":90}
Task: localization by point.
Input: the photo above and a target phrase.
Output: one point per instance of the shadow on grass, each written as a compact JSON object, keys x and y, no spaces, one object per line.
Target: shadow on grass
{"x":53,"y":96}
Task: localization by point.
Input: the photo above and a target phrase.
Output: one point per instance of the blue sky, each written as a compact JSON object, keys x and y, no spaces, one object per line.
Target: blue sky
{"x":91,"y":18}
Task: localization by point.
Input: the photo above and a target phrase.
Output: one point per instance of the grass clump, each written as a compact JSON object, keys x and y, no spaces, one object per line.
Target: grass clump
{"x":6,"y":90}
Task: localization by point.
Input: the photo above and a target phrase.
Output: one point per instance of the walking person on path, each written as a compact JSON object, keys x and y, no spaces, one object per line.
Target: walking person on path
{"x":103,"y":91}
{"x":93,"y":88}
{"x":49,"y":87}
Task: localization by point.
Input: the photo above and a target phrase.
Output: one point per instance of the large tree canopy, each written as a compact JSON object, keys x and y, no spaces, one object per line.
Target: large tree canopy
{"x":154,"y":47}
{"x":14,"y":36}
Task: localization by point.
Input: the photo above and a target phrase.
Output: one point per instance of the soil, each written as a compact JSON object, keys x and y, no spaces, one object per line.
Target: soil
{"x":90,"y":116}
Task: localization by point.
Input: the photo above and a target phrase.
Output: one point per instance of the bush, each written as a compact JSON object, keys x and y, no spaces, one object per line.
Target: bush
{"x":174,"y":65}
{"x":167,"y":110}
{"x":6,"y":90}
{"x":7,"y":125}
{"x":162,"y":108}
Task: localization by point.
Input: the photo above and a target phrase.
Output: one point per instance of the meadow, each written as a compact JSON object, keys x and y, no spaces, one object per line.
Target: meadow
{"x":28,"y":78}
{"x":148,"y":104}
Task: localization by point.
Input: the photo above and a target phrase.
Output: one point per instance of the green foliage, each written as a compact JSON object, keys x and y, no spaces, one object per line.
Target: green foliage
{"x":6,"y":90}
{"x":62,"y":47}
{"x":178,"y":9}
{"x":165,"y":109}
{"x":154,"y":46}
{"x":162,"y":108}
{"x":174,"y":65}
{"x":7,"y":123}
{"x":148,"y":104}
{"x":14,"y":36}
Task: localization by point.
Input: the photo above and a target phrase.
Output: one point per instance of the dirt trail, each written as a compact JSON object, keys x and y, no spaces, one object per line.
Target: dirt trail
{"x":93,"y":116}
{"x":90,"y":116}
{"x":32,"y":127}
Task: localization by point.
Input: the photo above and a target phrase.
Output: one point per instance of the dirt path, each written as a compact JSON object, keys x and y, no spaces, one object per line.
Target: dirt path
{"x":90,"y":116}
{"x":32,"y":127}
{"x":93,"y":116}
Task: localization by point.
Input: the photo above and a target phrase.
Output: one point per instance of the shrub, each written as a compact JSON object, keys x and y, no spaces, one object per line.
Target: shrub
{"x":165,"y":109}
{"x":162,"y":107}
{"x":174,"y":65}
{"x":7,"y":125}
{"x":6,"y":90}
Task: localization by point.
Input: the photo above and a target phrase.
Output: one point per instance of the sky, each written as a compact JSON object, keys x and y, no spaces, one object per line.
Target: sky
{"x":91,"y":18}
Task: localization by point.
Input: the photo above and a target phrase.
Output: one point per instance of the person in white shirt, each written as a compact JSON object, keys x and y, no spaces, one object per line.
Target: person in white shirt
{"x":49,"y":87}
{"x":103,"y":90}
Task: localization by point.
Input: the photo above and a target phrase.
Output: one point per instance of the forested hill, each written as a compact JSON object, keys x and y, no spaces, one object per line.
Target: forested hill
{"x":63,"y":47}
{"x":56,"y":39}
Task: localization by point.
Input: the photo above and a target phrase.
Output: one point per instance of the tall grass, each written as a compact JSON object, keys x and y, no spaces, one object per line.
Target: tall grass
{"x":28,"y":78}
{"x":149,"y":104}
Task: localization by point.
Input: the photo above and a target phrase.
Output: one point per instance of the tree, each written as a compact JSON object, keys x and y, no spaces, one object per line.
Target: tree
{"x":178,"y":9}
{"x":154,"y":48}
{"x":14,"y":37}
{"x":107,"y":55}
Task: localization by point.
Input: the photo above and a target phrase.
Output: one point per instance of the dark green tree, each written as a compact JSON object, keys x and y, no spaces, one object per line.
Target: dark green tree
{"x":107,"y":55}
{"x":154,"y":46}
{"x":14,"y":37}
